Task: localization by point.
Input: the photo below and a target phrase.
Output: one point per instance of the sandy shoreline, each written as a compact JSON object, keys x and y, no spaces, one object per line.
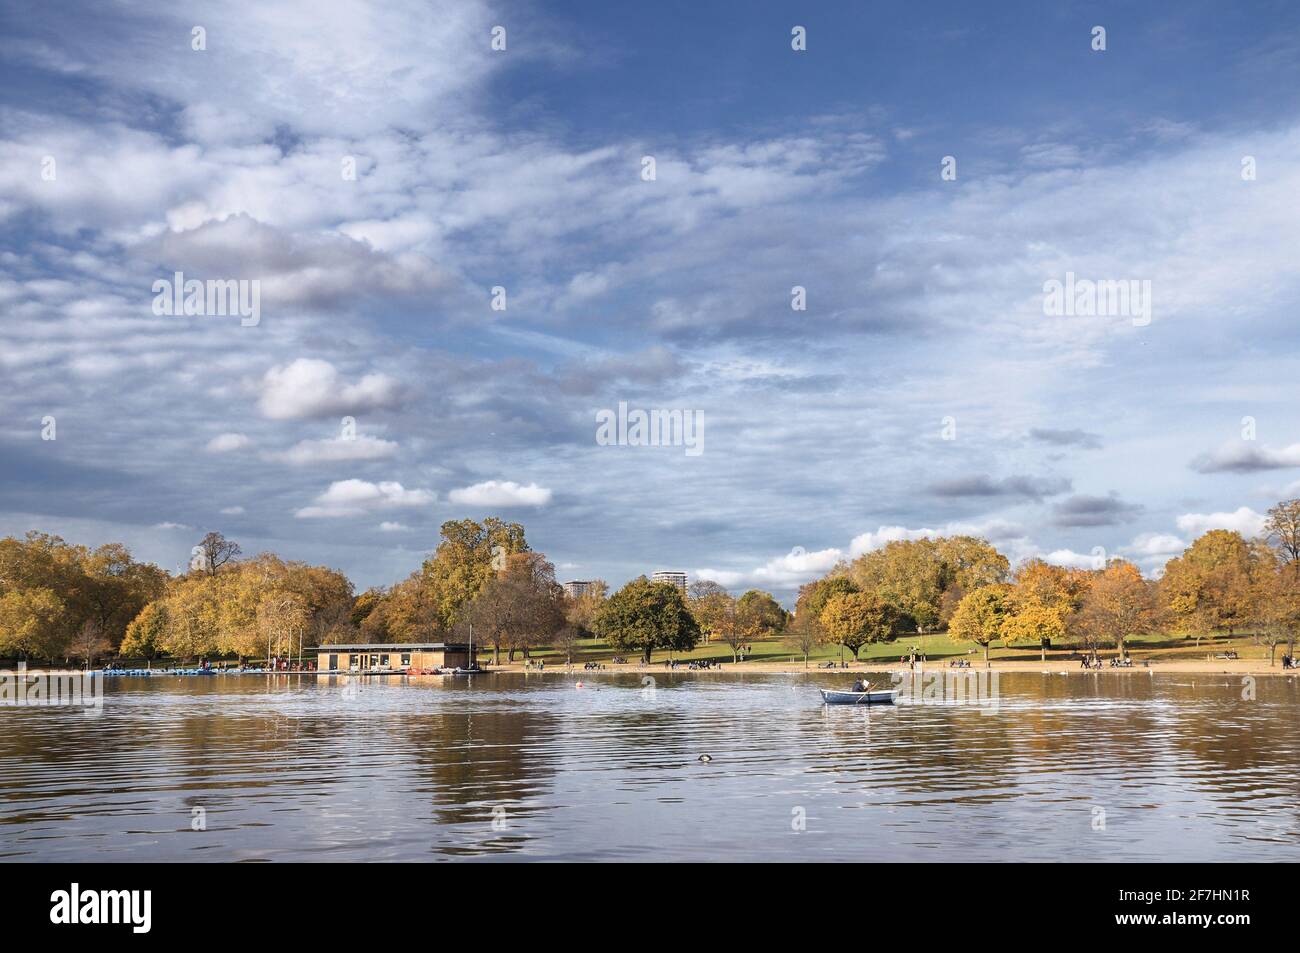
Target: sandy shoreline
{"x":1058,"y":666}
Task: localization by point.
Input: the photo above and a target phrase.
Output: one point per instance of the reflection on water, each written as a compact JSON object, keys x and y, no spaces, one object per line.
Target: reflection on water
{"x":1176,"y":767}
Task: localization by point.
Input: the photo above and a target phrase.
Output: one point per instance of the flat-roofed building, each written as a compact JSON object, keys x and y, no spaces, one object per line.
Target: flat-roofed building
{"x":395,"y":656}
{"x":677,"y":579}
{"x":577,"y":588}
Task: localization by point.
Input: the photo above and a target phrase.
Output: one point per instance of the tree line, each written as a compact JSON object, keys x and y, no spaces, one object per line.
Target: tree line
{"x":1222,"y":584}
{"x":60,"y":601}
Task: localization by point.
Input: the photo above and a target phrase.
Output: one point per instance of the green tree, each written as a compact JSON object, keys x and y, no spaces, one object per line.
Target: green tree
{"x":767,"y":613}
{"x":644,"y":616}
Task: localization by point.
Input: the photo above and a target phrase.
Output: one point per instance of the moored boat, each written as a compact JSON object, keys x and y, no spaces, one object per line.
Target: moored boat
{"x":884,"y":696}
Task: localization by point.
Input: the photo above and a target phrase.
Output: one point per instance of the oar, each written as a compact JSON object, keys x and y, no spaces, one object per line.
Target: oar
{"x":866,"y":693}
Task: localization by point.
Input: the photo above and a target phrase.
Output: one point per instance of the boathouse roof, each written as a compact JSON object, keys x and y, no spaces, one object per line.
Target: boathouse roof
{"x":393,"y":647}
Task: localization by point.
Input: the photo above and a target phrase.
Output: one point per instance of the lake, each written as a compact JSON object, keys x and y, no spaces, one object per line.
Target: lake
{"x":1086,"y":767}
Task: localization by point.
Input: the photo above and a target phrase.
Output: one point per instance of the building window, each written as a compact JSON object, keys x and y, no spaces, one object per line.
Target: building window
{"x":334,"y":662}
{"x":406,"y":658}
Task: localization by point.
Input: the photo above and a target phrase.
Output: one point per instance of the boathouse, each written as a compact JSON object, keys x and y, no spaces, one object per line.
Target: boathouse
{"x":395,"y":656}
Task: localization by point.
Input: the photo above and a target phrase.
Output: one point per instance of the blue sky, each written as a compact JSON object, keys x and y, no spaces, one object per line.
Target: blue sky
{"x":824,"y":428}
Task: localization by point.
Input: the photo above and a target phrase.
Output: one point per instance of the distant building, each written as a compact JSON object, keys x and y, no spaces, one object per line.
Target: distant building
{"x":678,"y":579}
{"x":394,"y":656}
{"x":577,"y":588}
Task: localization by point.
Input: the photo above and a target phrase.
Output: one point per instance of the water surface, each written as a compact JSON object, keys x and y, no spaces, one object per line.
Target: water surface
{"x":1111,"y":766}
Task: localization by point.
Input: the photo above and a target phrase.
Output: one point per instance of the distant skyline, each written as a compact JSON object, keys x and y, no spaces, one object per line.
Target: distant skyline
{"x":386,"y":177}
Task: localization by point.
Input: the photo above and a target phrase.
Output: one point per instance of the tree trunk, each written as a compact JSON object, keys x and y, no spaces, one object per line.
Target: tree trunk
{"x":986,"y":653}
{"x":645,"y":654}
{"x":1119,"y":642}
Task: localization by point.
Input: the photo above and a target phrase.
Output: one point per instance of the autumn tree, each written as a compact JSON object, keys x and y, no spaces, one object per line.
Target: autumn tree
{"x":89,"y":642}
{"x":1282,"y":528}
{"x":470,"y":554}
{"x":854,"y":619}
{"x":924,"y":579}
{"x":282,"y":619}
{"x":580,"y":618}
{"x":1042,"y":601}
{"x":909,"y":575}
{"x":192,"y":628}
{"x":104,"y":585}
{"x":1118,"y":604}
{"x":1207,"y":588}
{"x":581,"y":611}
{"x":520,"y":607}
{"x":34,"y":623}
{"x":814,"y":595}
{"x":980,"y":615}
{"x":146,"y":632}
{"x":708,"y":600}
{"x":738,"y":623}
{"x":1275,"y":600}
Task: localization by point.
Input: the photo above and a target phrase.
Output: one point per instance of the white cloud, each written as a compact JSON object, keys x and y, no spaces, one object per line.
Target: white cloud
{"x":1152,"y":545}
{"x":783,"y":572}
{"x":170,"y":525}
{"x":336,"y":450}
{"x":227,"y":442}
{"x":1072,"y":560}
{"x":866,"y":542}
{"x":994,"y":530}
{"x":1243,"y":519}
{"x":232,"y":510}
{"x":358,"y":497}
{"x":388,"y":526}
{"x":309,"y":387}
{"x":501,"y":493}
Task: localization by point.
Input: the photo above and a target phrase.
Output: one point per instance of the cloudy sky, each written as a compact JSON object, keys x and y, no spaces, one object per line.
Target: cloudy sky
{"x":923,"y":389}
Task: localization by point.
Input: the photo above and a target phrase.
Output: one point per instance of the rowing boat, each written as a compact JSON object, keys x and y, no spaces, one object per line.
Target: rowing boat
{"x":882,"y":697}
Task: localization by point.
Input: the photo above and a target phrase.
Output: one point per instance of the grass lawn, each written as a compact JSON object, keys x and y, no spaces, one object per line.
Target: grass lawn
{"x":935,"y":646}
